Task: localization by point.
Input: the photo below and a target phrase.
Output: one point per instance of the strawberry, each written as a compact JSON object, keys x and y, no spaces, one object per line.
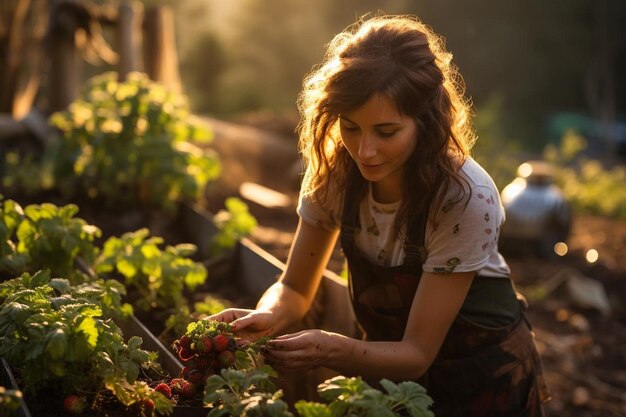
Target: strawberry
{"x":74,"y":404}
{"x":164,"y":389}
{"x":203,"y":362}
{"x":195,"y":377}
{"x":226,"y":358}
{"x":220,"y":342}
{"x":148,"y":405}
{"x":188,"y":389}
{"x":185,"y":354}
{"x":206,"y":345}
{"x":176,"y":385}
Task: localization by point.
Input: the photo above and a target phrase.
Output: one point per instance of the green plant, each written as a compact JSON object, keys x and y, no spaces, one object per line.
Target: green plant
{"x":60,"y":339}
{"x":128,"y":143}
{"x":587,"y":183}
{"x":158,"y":275}
{"x":354,"y":397}
{"x":45,"y":236}
{"x":178,"y":321}
{"x":245,"y":393}
{"x":233,"y":223}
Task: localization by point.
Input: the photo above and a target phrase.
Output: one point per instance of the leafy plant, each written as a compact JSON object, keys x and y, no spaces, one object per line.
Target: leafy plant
{"x":45,"y":236}
{"x":587,"y":183}
{"x":245,"y":393}
{"x":128,"y":143}
{"x":233,"y":223}
{"x":354,"y":397}
{"x":61,"y":341}
{"x":178,"y":321}
{"x":158,"y":275}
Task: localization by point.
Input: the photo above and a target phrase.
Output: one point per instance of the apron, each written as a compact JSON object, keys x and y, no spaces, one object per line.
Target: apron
{"x":479,"y":371}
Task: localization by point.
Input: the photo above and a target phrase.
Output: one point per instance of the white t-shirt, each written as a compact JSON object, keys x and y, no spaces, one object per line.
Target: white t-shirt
{"x":458,"y":238}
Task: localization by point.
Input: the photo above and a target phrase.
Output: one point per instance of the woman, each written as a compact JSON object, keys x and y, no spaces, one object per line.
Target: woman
{"x":385,"y":134}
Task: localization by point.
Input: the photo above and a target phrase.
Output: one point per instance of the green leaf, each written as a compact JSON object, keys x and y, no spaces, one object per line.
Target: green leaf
{"x":40,"y":278}
{"x":57,"y":344}
{"x":126,"y":268}
{"x":60,"y":285}
{"x":312,"y":409}
{"x":88,"y":327}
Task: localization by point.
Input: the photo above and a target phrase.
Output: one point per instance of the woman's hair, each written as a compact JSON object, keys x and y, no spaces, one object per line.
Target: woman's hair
{"x":401,"y":57}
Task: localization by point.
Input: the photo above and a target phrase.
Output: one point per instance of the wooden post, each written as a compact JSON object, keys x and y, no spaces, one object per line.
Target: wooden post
{"x":22,"y":25}
{"x":64,"y":79}
{"x":159,"y":47}
{"x":128,"y":36}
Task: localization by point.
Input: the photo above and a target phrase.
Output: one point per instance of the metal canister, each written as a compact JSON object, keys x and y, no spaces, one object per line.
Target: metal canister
{"x":537,"y":214}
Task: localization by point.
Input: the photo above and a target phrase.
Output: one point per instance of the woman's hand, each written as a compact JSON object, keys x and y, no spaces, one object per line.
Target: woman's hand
{"x":299,"y":351}
{"x":248,"y":324}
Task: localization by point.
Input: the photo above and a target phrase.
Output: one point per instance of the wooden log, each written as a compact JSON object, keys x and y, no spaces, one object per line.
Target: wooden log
{"x":160,"y":58}
{"x":128,"y":38}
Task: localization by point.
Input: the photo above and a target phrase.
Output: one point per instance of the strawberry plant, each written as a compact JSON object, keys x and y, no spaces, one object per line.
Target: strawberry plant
{"x":245,"y":393}
{"x":45,"y":236}
{"x":128,"y":144}
{"x":206,"y":349}
{"x":66,"y":347}
{"x":160,"y":276}
{"x":233,"y":223}
{"x":354,"y":397}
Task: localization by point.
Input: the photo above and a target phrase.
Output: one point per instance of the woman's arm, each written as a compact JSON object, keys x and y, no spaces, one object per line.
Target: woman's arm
{"x":288,"y":300}
{"x":437,"y":301}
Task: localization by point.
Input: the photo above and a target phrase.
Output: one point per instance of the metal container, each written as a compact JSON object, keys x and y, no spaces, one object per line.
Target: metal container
{"x":537,"y":214}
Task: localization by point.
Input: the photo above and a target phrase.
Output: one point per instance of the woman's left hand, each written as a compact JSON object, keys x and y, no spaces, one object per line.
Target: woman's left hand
{"x":300,"y":351}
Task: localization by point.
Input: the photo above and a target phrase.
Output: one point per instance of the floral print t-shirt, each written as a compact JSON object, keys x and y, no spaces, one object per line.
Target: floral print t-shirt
{"x":461,"y":235}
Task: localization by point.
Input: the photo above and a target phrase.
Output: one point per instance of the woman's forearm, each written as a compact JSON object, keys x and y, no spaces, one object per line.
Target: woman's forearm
{"x":398,"y":361}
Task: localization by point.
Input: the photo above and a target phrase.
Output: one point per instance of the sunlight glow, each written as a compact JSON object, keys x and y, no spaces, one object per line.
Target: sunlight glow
{"x":560,"y":248}
{"x":525,"y":170}
{"x":592,"y":256}
{"x":263,"y":196}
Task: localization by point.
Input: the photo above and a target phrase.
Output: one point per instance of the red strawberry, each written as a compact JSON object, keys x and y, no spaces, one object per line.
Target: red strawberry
{"x":185,"y":354}
{"x":74,"y":404}
{"x":206,"y":345}
{"x":226,"y":358}
{"x":164,"y":389}
{"x":195,"y":377}
{"x":176,"y":385}
{"x":148,"y":405}
{"x":188,"y":389}
{"x":220,"y":342}
{"x":203,"y":362}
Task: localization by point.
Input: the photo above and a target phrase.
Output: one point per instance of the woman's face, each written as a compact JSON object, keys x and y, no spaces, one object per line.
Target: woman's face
{"x":380,"y":139}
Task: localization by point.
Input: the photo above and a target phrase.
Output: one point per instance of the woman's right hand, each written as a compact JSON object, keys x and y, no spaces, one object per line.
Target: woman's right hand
{"x":246,"y":323}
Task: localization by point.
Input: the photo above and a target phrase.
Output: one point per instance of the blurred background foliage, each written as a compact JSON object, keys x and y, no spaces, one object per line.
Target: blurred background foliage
{"x":535,"y":71}
{"x":538,"y":74}
{"x":527,"y":61}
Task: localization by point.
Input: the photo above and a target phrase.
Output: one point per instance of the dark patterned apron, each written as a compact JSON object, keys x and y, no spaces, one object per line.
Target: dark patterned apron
{"x":479,"y":371}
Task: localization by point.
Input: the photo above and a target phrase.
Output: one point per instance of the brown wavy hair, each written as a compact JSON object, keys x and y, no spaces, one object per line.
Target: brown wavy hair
{"x":403,"y":58}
